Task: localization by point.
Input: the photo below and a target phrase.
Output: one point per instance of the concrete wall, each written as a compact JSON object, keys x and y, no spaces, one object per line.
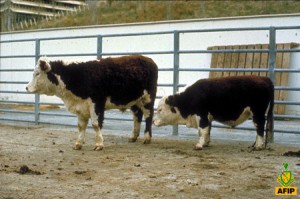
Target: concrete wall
{"x":188,"y":41}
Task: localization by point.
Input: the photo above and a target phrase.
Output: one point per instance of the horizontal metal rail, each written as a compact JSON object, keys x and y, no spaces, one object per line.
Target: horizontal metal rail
{"x":16,"y":70}
{"x":151,"y":53}
{"x":286,"y":102}
{"x":16,"y":111}
{"x":295,"y":70}
{"x":234,"y":51}
{"x":267,"y":28}
{"x":18,"y":120}
{"x":16,"y":92}
{"x":253,"y":129}
{"x":12,"y":82}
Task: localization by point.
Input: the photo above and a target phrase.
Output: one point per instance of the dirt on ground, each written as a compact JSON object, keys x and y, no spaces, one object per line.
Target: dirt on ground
{"x":39,"y":162}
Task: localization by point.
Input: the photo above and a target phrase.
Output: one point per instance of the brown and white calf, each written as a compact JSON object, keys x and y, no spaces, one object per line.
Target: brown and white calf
{"x":88,"y":88}
{"x":229,"y":100}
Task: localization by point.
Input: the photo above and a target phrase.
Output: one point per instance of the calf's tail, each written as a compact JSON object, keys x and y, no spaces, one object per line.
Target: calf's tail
{"x":270,"y":122}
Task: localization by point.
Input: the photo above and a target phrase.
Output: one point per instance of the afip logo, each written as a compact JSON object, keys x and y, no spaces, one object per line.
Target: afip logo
{"x":286,"y":179}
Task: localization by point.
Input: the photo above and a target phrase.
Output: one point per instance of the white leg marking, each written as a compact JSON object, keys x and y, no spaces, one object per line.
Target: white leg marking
{"x":204,"y":137}
{"x":136,"y":129}
{"x":259,"y":144}
{"x":82,"y":124}
{"x":99,"y":138}
{"x":147,"y":138}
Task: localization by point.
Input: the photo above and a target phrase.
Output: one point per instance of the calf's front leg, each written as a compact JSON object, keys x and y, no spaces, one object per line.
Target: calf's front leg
{"x":82,"y":124}
{"x":204,"y":134}
{"x":99,"y":138}
{"x":97,"y":117}
{"x":137,"y":119}
{"x":148,"y":115}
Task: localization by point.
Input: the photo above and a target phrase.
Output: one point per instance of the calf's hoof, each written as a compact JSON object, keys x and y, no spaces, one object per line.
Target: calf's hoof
{"x":198,"y":146}
{"x":98,"y":147}
{"x":77,"y":146}
{"x":147,"y":138}
{"x":132,"y":139}
{"x":147,"y":141}
{"x":258,"y":148}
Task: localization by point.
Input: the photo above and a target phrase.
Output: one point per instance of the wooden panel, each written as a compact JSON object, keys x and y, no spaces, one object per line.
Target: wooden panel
{"x":254,"y":60}
{"x":234,"y":61}
{"x":242,"y":60}
{"x":285,"y":62}
{"x":227,"y":61}
{"x":220,"y":62}
{"x":214,"y":59}
{"x":249,"y":59}
{"x":278,"y":78}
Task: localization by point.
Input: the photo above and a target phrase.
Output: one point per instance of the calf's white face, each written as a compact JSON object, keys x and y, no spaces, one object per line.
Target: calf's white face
{"x":167,"y":115}
{"x":40,"y":82}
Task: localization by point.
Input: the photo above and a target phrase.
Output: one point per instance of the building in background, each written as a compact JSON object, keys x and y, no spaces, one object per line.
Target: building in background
{"x":24,"y":12}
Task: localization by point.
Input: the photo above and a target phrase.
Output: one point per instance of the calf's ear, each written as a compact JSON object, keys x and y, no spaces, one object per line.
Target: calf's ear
{"x":44,"y":65}
{"x":170,"y":100}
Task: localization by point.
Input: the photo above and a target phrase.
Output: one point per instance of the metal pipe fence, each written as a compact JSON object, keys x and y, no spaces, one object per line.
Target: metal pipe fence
{"x":175,"y":69}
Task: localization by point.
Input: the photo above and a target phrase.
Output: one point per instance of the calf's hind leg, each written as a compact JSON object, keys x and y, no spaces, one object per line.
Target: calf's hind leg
{"x":259,"y":122}
{"x":137,"y":119}
{"x":148,"y":111}
{"x":97,"y":117}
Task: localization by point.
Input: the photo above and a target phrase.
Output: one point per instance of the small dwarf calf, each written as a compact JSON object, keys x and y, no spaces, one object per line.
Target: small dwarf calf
{"x":229,"y":100}
{"x":88,"y":88}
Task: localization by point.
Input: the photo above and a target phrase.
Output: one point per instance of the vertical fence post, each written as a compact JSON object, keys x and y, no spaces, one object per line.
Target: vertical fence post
{"x":37,"y":96}
{"x":99,"y":46}
{"x":176,"y":71}
{"x":272,"y":65}
{"x":272,"y":53}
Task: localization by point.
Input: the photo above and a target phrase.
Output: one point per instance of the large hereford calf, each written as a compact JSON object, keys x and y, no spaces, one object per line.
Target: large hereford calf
{"x":230,"y":101}
{"x":88,"y":88}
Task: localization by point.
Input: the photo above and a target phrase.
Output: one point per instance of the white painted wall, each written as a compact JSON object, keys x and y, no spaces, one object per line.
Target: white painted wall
{"x":188,"y":41}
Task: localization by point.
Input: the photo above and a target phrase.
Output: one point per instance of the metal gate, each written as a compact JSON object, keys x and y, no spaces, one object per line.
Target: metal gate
{"x":9,"y":112}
